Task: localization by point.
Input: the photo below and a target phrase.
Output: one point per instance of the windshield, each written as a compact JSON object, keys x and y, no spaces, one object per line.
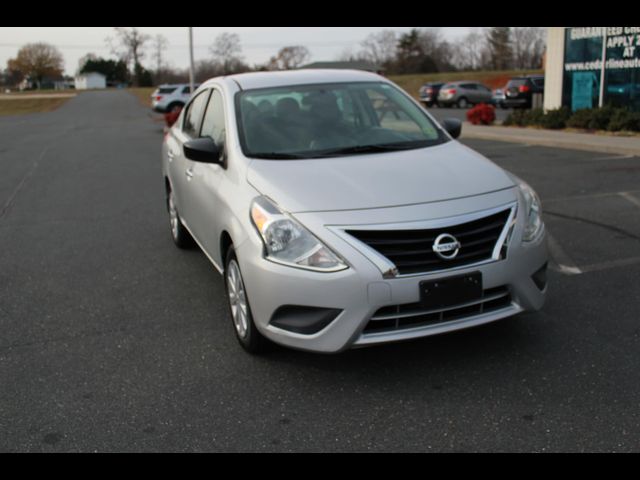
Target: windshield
{"x":315,"y":121}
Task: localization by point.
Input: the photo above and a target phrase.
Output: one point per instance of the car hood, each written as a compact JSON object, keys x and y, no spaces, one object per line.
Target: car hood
{"x":379,"y":180}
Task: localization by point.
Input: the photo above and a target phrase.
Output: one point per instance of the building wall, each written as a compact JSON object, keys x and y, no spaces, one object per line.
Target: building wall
{"x":554,"y":68}
{"x":86,"y":82}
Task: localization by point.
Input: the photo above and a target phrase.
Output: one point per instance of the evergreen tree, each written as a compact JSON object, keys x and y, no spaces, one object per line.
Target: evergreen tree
{"x":500,"y":48}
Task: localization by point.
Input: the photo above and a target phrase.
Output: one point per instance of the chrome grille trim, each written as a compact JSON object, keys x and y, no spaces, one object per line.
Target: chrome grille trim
{"x":389,"y":269}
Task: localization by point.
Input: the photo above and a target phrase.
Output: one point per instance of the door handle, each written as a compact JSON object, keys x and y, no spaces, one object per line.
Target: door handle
{"x":170,"y":155}
{"x":189,"y":173}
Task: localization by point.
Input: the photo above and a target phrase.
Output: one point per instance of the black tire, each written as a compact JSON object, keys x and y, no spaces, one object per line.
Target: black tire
{"x":175,"y":106}
{"x":248,"y":336}
{"x":463,"y":102}
{"x":180,"y":235}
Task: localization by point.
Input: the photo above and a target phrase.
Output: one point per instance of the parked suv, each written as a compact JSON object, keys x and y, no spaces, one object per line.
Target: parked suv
{"x":464,"y":94}
{"x":519,"y":91}
{"x":167,"y":98}
{"x":429,"y":94}
{"x":341,"y":214}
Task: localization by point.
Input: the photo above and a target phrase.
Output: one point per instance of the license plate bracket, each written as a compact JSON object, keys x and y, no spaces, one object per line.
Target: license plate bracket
{"x":450,"y":291}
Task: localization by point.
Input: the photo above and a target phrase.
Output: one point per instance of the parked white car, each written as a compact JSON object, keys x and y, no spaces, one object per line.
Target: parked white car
{"x":167,"y":98}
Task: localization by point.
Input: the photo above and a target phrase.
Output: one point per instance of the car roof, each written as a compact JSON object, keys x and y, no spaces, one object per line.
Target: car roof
{"x":254,"y":80}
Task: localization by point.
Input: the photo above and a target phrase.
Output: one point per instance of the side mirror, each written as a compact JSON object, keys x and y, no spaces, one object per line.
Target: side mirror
{"x":453,"y":126}
{"x":203,"y":150}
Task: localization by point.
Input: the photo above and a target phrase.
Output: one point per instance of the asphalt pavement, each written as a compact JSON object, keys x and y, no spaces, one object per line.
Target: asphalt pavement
{"x":461,"y":113}
{"x":114,"y":340}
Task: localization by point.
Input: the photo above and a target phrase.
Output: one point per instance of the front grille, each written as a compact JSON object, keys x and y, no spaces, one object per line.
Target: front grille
{"x":411,"y":251}
{"x":411,"y":315}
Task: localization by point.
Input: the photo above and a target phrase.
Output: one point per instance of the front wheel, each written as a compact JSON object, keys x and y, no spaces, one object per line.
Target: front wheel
{"x":246,"y":331}
{"x":463,"y":103}
{"x":181,"y":236}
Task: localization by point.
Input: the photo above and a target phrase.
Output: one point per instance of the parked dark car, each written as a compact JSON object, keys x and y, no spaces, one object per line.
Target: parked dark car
{"x":429,"y":94}
{"x":519,"y":91}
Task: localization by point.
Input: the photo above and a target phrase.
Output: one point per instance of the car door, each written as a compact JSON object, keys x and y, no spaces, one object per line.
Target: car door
{"x":180,"y":167}
{"x":485,"y":95}
{"x":206,"y":202}
{"x":470,"y":92}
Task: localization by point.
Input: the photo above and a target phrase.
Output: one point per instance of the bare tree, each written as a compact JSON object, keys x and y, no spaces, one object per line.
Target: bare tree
{"x":128,"y":45}
{"x":289,"y":58}
{"x":380,"y":47}
{"x":36,"y":61}
{"x":159,"y":45}
{"x":470,"y":52}
{"x":528,"y":47}
{"x":227,"y":51}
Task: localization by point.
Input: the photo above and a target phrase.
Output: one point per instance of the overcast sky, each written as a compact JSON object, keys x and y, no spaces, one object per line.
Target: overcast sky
{"x":258,"y":43}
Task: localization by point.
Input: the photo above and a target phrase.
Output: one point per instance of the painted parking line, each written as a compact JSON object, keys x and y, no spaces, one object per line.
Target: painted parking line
{"x":597,"y":267}
{"x":593,"y":196}
{"x":630,"y":197}
{"x":563,"y":261}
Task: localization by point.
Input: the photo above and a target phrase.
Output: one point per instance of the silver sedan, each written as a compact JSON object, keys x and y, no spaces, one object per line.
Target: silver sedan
{"x":341,"y":214}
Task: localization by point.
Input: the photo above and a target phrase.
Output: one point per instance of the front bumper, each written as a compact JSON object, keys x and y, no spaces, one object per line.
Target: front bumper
{"x":361,"y":290}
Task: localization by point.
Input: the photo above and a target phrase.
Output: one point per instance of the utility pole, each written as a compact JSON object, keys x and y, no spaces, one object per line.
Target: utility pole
{"x":191,"y":79}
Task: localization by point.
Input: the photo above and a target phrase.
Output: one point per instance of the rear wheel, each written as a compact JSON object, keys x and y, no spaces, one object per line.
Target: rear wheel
{"x":175,"y":107}
{"x":246,"y":331}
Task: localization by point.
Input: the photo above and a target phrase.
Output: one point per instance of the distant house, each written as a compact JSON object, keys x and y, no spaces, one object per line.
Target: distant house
{"x":91,"y":80}
{"x":65,"y":84}
{"x":355,"y":65}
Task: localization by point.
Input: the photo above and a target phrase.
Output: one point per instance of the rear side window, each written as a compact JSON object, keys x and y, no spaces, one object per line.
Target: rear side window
{"x":517,"y":82}
{"x":193,"y":115}
{"x":166,"y":90}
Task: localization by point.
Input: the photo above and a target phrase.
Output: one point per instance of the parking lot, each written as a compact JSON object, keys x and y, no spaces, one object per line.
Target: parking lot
{"x":114,"y":340}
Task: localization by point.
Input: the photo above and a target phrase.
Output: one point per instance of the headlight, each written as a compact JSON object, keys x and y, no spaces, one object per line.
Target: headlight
{"x":289,"y":243}
{"x":533,"y":211}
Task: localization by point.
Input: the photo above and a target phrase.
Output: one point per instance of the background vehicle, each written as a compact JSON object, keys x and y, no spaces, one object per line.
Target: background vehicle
{"x":499,"y":98}
{"x":519,"y":91}
{"x":463,"y":94}
{"x":167,"y":98}
{"x":429,"y":94}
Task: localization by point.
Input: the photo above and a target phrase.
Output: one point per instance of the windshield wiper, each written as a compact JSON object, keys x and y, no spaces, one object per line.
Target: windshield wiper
{"x":384,"y":147}
{"x":278,"y":156}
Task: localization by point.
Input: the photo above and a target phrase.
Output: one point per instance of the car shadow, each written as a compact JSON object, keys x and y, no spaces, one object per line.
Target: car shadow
{"x":485,"y":346}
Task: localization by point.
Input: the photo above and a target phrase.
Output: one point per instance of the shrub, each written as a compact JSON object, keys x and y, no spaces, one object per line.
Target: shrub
{"x":482,"y":114}
{"x":534,"y":117}
{"x":517,"y":118}
{"x":580,"y":118}
{"x":624,"y":120}
{"x":601,"y":117}
{"x":555,"y":119}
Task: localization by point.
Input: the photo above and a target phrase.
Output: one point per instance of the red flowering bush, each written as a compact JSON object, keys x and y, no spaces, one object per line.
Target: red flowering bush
{"x":482,"y":114}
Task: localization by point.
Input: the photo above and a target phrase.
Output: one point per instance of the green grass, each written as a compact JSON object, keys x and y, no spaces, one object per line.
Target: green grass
{"x":143,"y":94}
{"x":30,"y":105}
{"x":492,"y":79}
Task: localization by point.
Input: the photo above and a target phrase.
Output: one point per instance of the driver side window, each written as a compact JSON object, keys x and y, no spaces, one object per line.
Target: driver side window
{"x":193,"y":115}
{"x":213,"y":124}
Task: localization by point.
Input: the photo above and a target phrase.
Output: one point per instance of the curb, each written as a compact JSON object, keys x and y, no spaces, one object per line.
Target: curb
{"x":587,"y":143}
